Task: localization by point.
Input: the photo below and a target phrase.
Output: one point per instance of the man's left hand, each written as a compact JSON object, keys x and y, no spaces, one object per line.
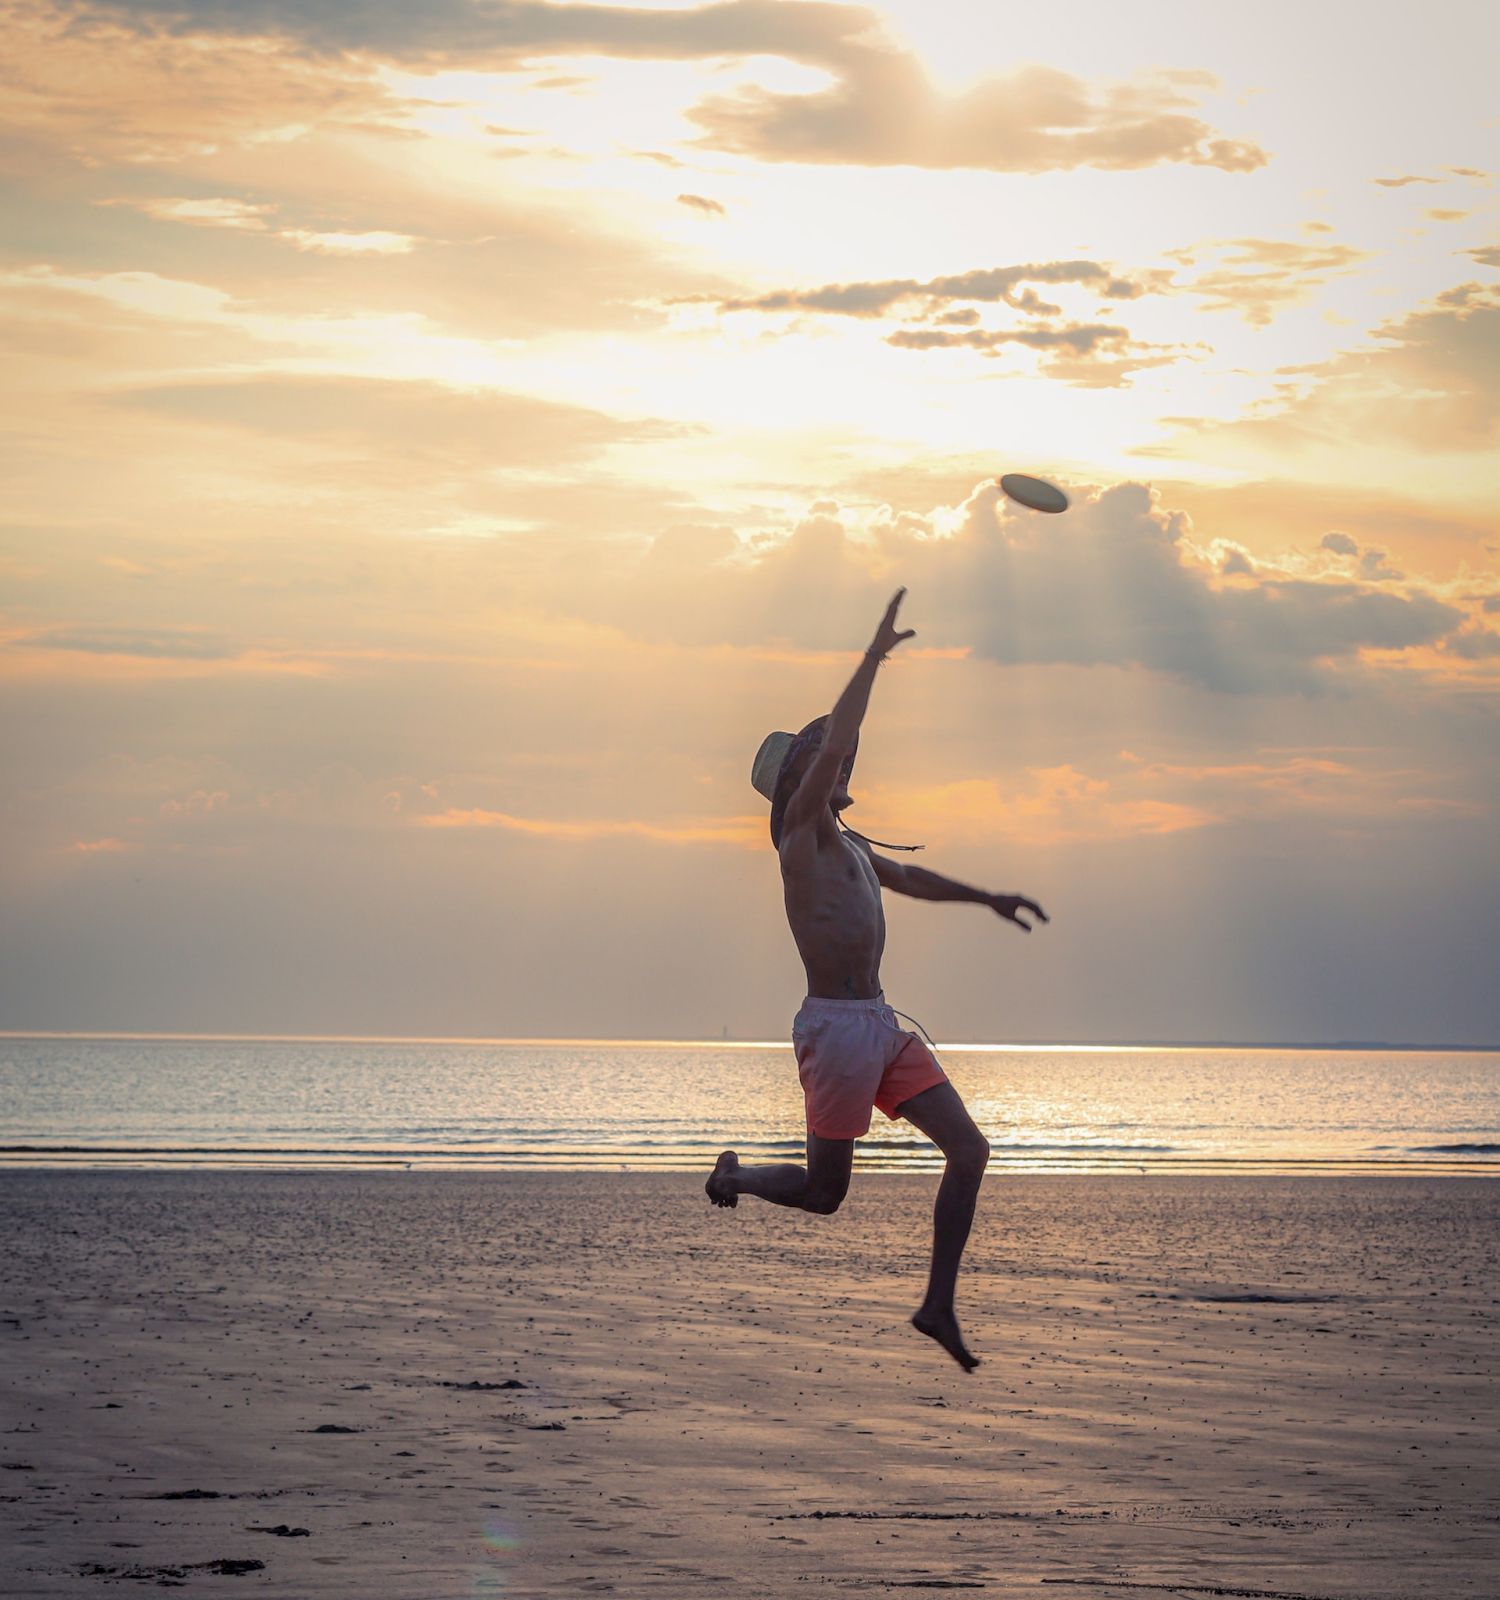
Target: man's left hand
{"x":1010,"y":906}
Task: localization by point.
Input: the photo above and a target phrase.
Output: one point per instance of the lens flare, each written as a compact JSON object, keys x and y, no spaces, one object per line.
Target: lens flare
{"x":500,"y":1535}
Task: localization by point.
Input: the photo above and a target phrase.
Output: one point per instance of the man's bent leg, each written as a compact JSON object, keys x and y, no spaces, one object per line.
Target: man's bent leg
{"x":819,"y":1186}
{"x":941,"y":1115}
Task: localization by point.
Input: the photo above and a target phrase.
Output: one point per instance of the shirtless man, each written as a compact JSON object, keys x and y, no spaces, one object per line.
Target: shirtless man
{"x":850,"y":1053}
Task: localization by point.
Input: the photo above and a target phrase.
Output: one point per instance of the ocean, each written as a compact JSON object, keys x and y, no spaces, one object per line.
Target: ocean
{"x":640,"y":1105}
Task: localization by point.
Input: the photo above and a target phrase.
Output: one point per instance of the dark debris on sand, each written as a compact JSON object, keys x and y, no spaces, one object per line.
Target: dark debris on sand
{"x":476,"y":1385}
{"x":172,"y":1577}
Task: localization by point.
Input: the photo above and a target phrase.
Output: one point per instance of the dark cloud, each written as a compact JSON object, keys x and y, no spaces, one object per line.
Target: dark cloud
{"x":984,"y":286}
{"x":1087,"y":355}
{"x":1374,"y":568}
{"x":496,"y":32}
{"x":1077,"y":350}
{"x":1237,"y":564}
{"x":1112,"y":584}
{"x":1340,"y":543}
{"x":1475,"y":643}
{"x":698,"y":202}
{"x":1081,"y":339}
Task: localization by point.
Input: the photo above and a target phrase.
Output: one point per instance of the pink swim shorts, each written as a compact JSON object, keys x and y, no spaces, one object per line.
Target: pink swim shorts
{"x":851,"y":1056}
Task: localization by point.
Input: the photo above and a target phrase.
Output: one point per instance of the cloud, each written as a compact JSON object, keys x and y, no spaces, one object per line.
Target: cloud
{"x":880,"y":109}
{"x":179,"y":644}
{"x":1077,"y":351}
{"x":1081,"y":339}
{"x":1273,"y":784}
{"x":1236,"y":563}
{"x":1130,"y":797}
{"x":243,"y":216}
{"x":1447,"y":359}
{"x":984,"y":285}
{"x":1402,"y":182}
{"x":1340,"y":543}
{"x":1259,"y":277}
{"x":215,"y":156}
{"x":1089,"y":355}
{"x":516,"y":33}
{"x":239,"y":215}
{"x":374,"y":242}
{"x":1430,"y":380}
{"x":700,"y":203}
{"x":1117,"y":583}
{"x":174,"y":99}
{"x":1475,"y":642}
{"x":1374,"y":568}
{"x":402,"y":417}
{"x":744,"y":832}
{"x":1054,"y":805}
{"x":1487,"y":255}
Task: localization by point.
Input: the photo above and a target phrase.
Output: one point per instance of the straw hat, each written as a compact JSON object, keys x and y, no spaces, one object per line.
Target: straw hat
{"x":769,"y":760}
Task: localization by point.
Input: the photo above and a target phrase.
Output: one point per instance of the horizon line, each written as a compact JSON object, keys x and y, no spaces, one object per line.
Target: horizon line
{"x":1078,"y":1045}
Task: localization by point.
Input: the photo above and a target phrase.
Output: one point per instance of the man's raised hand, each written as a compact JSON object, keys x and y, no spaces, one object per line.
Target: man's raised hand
{"x":887,"y":636}
{"x":1010,"y":905}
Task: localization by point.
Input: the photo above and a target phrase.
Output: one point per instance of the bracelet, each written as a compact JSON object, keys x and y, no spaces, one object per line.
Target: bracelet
{"x":879,"y":656}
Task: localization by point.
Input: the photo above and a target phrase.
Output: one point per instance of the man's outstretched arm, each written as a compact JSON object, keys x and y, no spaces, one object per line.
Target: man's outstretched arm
{"x":920,"y":883}
{"x":843,"y":724}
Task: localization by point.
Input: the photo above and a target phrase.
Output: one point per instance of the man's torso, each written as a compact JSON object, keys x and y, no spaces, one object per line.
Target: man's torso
{"x":833,"y":906}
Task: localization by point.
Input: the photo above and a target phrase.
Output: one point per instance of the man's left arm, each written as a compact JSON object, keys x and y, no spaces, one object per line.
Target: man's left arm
{"x":922,"y":884}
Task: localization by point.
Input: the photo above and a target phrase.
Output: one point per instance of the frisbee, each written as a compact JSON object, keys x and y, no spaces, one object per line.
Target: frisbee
{"x":1036,"y":494}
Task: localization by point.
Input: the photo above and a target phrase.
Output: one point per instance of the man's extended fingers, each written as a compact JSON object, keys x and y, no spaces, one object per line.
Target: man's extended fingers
{"x":1010,"y":905}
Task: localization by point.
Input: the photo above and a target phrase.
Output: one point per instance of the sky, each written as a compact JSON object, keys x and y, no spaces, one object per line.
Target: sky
{"x":441,"y":441}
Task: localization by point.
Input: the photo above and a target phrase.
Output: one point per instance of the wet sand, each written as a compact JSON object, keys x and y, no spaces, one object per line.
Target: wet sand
{"x":524,"y":1384}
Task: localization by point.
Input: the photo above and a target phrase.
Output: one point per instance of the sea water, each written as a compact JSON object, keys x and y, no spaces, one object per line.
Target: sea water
{"x":584,"y":1104}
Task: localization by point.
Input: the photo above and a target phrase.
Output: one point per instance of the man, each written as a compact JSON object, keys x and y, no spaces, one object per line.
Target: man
{"x":851,"y":1056}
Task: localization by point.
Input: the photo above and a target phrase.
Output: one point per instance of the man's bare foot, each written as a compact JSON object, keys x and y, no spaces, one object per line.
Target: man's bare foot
{"x":718,"y":1186}
{"x":943,"y":1326}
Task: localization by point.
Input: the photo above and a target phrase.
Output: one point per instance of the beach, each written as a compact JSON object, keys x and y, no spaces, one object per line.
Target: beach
{"x":391,"y":1383}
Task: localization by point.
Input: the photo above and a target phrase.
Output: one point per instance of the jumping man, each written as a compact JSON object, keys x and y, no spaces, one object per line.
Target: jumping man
{"x":850,"y":1053}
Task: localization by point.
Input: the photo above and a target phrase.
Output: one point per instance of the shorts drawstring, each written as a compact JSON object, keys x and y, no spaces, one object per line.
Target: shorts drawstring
{"x":931,"y":1042}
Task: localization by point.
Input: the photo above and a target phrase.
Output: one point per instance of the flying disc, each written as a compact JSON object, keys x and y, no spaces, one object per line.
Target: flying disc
{"x":1034,"y":493}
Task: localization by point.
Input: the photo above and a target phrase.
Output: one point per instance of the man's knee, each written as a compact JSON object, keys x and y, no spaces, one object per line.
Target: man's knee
{"x":971,"y":1156}
{"x":823,"y":1201}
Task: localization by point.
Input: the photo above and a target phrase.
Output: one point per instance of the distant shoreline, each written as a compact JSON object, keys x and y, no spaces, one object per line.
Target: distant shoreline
{"x":748,"y":1044}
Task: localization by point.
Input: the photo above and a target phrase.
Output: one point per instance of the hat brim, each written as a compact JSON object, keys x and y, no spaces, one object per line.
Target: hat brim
{"x":769,"y":760}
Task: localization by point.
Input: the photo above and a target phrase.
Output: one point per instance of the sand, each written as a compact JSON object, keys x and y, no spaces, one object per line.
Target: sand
{"x":398,"y":1384}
